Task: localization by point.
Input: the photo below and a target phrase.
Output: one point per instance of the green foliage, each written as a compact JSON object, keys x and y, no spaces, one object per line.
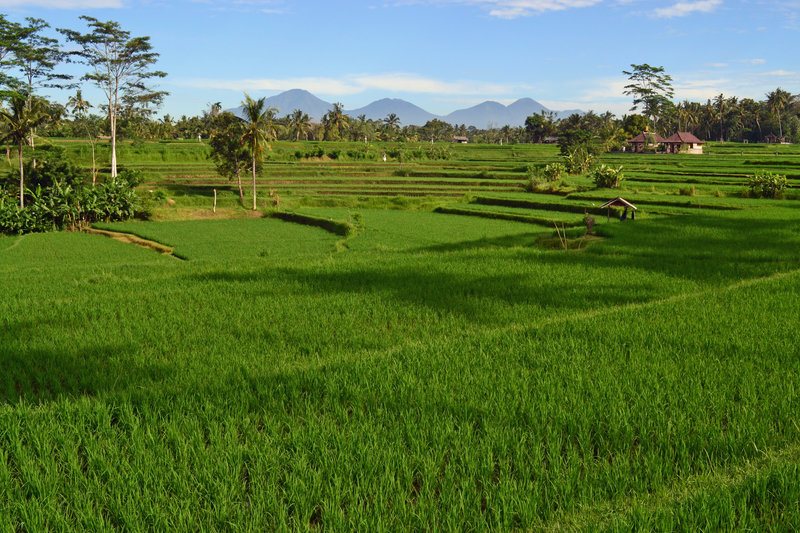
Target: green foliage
{"x":765,"y":184}
{"x":578,"y":150}
{"x":64,"y":205}
{"x":553,"y":171}
{"x":606,"y":176}
{"x":52,"y":165}
{"x":231,"y":157}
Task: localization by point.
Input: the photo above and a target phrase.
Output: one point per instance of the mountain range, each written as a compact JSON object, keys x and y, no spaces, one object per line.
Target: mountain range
{"x":483,"y":115}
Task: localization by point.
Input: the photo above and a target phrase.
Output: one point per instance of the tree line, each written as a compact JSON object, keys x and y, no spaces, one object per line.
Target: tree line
{"x":122,"y":66}
{"x":32,"y":60}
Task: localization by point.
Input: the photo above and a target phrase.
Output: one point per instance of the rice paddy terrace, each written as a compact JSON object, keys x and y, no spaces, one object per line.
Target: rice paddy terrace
{"x":353,"y":368}
{"x":450,"y":175}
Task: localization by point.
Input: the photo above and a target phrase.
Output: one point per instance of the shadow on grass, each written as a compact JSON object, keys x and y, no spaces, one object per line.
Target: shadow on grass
{"x":700,"y":248}
{"x":492,"y":281}
{"x":36,"y":375}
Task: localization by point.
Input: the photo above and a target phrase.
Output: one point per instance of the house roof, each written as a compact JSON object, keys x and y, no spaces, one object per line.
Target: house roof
{"x":618,"y":202}
{"x":642,"y":139}
{"x":684,"y":137}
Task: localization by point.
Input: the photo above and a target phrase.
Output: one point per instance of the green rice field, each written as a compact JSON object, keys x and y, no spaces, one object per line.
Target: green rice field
{"x":441,"y":363}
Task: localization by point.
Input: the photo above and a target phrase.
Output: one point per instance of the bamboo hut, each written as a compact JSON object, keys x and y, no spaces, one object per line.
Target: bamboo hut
{"x":620,"y":202}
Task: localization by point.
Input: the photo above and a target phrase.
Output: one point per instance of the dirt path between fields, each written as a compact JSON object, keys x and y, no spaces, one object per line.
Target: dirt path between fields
{"x":133,"y":239}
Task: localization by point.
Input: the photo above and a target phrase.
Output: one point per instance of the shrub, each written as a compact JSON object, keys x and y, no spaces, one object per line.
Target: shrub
{"x":63,"y":205}
{"x":765,"y":184}
{"x":578,"y":160}
{"x":605,"y":176}
{"x":553,"y":171}
{"x":438,"y":152}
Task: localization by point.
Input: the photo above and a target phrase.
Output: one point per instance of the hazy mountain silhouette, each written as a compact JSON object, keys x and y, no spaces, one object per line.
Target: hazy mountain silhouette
{"x":483,"y":115}
{"x":408,"y":113}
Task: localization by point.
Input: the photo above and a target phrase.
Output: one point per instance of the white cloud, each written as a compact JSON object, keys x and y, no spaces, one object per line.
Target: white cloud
{"x":511,"y":9}
{"x":314,"y":85}
{"x":779,"y":73}
{"x":717,"y":65}
{"x":681,"y":9}
{"x":354,"y":84}
{"x":62,"y":4}
{"x":412,"y":83}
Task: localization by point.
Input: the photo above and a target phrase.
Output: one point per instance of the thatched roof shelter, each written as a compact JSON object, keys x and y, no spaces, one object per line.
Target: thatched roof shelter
{"x":620,"y":202}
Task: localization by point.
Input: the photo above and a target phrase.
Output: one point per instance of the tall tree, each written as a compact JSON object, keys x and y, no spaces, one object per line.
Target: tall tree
{"x":777,"y":101}
{"x":392,"y":121}
{"x":299,"y":124}
{"x":120,"y":65}
{"x":751,"y":113}
{"x":9,"y":42}
{"x":37,"y":56}
{"x":255,"y":135}
{"x":651,"y":89}
{"x":721,"y":108}
{"x":20,"y":121}
{"x":229,"y":154}
{"x":334,"y":121}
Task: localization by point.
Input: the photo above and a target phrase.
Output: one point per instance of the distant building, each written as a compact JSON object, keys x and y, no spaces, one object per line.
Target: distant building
{"x":550,"y":140}
{"x":459,"y":139}
{"x":645,"y":141}
{"x":683,"y":142}
{"x":774,"y":139}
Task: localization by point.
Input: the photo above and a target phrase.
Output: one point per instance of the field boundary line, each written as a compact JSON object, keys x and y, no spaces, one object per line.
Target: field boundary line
{"x":130,"y":238}
{"x":14,"y":244}
{"x":592,"y":313}
{"x":593,"y":516}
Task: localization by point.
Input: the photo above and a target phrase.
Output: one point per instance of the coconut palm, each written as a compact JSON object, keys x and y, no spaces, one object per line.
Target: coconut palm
{"x":299,"y":124}
{"x":77,"y":105}
{"x":335,"y":121}
{"x":777,"y":101}
{"x":721,"y":109}
{"x":255,"y":135}
{"x":19,"y":123}
{"x":392,"y":121}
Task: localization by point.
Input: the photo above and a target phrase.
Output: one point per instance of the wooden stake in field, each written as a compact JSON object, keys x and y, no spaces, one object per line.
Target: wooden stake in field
{"x":214,"y":209}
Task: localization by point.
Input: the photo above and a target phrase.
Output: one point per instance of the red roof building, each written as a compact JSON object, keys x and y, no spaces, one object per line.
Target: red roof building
{"x":684,"y":142}
{"x":645,"y":141}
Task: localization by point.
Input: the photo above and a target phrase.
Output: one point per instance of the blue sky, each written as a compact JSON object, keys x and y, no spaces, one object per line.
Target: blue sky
{"x":448,"y":54}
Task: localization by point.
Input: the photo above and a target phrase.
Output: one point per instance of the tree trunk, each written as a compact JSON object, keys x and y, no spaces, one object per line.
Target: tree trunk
{"x":239,"y":182}
{"x":113,"y":145}
{"x":94,"y":165}
{"x":21,"y":177}
{"x":254,"y":182}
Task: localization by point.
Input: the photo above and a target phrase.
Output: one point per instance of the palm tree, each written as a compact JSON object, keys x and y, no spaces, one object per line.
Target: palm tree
{"x":77,"y":104}
{"x":20,"y":122}
{"x":299,"y":123}
{"x":255,"y":135}
{"x":722,"y":107}
{"x":335,"y":121}
{"x":777,"y":101}
{"x":751,"y":112}
{"x":392,"y":121}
